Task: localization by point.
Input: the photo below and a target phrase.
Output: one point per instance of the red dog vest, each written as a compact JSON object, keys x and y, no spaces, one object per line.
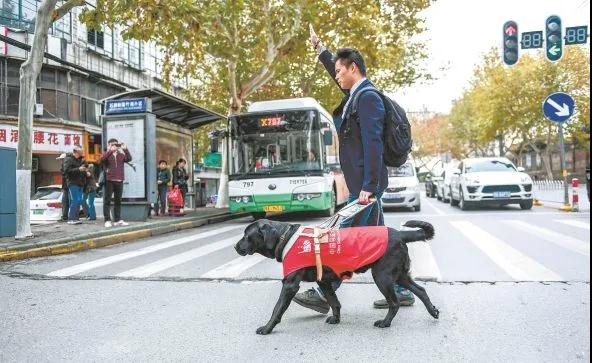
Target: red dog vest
{"x":346,"y":251}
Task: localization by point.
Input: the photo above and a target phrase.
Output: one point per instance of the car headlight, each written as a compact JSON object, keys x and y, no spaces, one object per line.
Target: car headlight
{"x":301,"y":197}
{"x":525,"y":180}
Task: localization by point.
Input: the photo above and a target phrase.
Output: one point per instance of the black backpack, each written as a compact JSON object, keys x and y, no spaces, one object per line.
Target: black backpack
{"x":397,"y":130}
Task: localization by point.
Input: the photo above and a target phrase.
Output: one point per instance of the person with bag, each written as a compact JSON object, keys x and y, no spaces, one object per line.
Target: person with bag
{"x":163,"y":177}
{"x":75,"y":171}
{"x":360,"y":120}
{"x":180,"y":178}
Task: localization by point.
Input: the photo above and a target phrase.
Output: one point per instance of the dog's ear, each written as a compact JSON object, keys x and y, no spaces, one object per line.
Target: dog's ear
{"x":269,"y":235}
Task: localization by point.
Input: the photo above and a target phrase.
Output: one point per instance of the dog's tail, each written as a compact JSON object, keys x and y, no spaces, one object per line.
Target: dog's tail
{"x":424,"y":232}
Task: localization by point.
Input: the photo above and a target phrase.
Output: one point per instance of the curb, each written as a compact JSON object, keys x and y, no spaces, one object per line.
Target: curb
{"x":71,"y":245}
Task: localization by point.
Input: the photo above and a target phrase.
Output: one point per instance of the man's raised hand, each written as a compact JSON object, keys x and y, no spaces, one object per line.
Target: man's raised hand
{"x":314,"y":39}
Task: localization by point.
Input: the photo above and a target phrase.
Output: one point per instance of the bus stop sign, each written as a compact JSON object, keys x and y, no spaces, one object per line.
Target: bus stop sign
{"x":559,"y":107}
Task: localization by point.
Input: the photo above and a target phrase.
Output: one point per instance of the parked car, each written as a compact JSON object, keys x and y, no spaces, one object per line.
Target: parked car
{"x":490,"y":181}
{"x":403,"y":189}
{"x":443,"y":185}
{"x":431,"y":184}
{"x":46,"y":204}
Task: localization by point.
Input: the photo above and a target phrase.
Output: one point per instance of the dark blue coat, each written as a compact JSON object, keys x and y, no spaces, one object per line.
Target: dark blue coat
{"x":360,"y":139}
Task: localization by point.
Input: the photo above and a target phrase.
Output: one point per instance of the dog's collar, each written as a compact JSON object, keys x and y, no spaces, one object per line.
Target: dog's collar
{"x":284,"y":238}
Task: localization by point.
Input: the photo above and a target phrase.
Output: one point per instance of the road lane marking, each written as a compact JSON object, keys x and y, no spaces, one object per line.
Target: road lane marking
{"x":234,"y":268}
{"x":423,"y":263}
{"x":76,"y":269}
{"x":548,"y":235}
{"x":178,"y":259}
{"x":429,"y":202}
{"x":519,"y":266}
{"x":578,"y":224}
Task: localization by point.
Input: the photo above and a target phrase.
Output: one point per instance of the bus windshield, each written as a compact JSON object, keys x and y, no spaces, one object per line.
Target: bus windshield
{"x":275,"y":143}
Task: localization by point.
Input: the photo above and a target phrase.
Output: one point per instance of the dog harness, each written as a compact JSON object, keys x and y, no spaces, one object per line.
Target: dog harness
{"x":343,"y":250}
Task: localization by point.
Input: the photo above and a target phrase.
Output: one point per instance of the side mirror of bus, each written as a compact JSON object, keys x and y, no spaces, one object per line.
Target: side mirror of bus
{"x":328,"y":138}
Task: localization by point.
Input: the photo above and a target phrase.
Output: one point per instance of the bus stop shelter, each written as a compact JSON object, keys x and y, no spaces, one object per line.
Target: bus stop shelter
{"x":155,"y":125}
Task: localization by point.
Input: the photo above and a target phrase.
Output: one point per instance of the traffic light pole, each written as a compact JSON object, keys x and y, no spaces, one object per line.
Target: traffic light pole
{"x":563,"y":167}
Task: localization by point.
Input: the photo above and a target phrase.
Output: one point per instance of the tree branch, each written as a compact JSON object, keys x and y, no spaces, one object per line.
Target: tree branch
{"x":65,"y":8}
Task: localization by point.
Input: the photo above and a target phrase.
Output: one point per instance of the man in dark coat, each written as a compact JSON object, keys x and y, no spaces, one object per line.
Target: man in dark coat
{"x":360,"y":150}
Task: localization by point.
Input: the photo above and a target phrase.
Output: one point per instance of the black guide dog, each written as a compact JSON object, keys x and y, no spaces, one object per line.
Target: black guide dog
{"x":263,"y":237}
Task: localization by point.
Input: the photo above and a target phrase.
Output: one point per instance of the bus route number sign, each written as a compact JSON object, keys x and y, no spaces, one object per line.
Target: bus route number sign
{"x":271,"y":121}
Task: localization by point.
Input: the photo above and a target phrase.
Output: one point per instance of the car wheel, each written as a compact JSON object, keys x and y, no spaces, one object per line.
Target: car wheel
{"x":417,"y":208}
{"x":453,"y":202}
{"x":462,"y":203}
{"x":526,"y":205}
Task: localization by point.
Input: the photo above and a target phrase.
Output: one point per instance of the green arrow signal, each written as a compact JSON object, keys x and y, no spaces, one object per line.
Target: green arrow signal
{"x":554,"y":50}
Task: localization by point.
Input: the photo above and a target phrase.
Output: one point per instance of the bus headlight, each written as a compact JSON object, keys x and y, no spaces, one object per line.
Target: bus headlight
{"x":242,"y":199}
{"x":301,"y":197}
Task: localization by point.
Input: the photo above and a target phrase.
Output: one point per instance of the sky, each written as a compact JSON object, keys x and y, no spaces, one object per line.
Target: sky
{"x":460,"y":32}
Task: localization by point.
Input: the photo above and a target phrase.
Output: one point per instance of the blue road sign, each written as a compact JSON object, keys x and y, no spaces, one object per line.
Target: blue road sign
{"x":129,"y":105}
{"x":559,"y":107}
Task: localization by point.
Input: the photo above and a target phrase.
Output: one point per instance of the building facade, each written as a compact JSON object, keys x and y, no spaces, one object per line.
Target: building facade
{"x":94,"y":65}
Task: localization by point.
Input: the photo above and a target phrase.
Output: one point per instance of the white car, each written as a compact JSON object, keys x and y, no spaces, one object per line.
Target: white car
{"x":403,"y":189}
{"x":443,"y":185}
{"x":490,"y":181}
{"x":46,"y":205}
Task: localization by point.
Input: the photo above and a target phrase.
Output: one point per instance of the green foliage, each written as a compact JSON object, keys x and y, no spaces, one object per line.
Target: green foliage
{"x":507,"y":101}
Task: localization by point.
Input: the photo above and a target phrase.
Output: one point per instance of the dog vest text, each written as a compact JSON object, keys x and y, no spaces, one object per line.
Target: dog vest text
{"x":343,"y":250}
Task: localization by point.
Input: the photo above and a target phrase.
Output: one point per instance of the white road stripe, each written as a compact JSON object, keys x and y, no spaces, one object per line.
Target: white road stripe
{"x":559,"y":239}
{"x":578,"y":224}
{"x":178,"y":259}
{"x":76,"y":269}
{"x":423,"y":263}
{"x":519,"y":266}
{"x":433,"y":206}
{"x":234,"y":268}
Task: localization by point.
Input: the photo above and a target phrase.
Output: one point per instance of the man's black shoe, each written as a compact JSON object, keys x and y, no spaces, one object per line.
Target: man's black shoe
{"x":311,"y":299}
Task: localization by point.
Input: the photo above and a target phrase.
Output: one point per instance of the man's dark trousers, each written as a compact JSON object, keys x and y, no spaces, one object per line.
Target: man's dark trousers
{"x":116,"y":189}
{"x":162,"y":199}
{"x":65,"y":203}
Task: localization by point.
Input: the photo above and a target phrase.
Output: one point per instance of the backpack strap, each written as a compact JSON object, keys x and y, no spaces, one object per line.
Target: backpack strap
{"x":354,"y":105}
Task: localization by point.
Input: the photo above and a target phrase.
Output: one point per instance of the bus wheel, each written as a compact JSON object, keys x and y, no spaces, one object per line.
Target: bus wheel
{"x":329,"y":212}
{"x":258,"y":215}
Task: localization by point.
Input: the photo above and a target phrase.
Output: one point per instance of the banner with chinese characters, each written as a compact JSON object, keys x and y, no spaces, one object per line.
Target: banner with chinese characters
{"x":45,"y":139}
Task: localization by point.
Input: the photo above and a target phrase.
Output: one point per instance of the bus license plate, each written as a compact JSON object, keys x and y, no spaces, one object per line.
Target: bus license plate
{"x":273,"y":208}
{"x":499,"y":195}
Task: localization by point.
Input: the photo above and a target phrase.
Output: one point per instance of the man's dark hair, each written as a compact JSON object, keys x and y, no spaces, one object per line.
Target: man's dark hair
{"x":162,"y":161}
{"x":112,"y":140}
{"x":349,"y":56}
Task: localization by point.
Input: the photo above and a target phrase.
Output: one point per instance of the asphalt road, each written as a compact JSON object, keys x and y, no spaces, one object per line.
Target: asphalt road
{"x":510,"y":284}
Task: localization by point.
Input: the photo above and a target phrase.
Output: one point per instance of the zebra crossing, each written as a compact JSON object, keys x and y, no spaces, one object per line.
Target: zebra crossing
{"x":556,"y":249}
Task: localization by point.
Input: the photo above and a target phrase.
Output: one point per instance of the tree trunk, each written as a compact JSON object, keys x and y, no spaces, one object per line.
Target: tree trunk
{"x":222,"y":200}
{"x":28,"y":91}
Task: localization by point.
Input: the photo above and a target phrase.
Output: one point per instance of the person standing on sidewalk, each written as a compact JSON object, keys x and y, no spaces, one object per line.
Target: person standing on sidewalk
{"x":75,"y":171}
{"x":113,"y":161}
{"x":180,"y":178}
{"x":163,"y":177}
{"x":65,"y":196}
{"x":90,"y":192}
{"x":360,"y":152}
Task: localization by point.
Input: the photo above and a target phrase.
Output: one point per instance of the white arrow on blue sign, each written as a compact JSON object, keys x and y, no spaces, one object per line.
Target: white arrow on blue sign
{"x":559,"y":107}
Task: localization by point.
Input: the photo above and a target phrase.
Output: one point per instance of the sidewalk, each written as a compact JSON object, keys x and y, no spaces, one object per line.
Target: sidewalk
{"x":554,"y":198}
{"x":59,"y":238}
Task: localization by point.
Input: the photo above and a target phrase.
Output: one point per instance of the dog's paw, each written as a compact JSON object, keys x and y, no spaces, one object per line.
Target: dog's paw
{"x":264,"y":330}
{"x":435,"y":312}
{"x":333,"y":320}
{"x":382,"y":324}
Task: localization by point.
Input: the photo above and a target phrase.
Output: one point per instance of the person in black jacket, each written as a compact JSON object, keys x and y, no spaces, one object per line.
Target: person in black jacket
{"x":76,"y":174}
{"x":65,"y":197}
{"x":180,"y":177}
{"x":163,"y":177}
